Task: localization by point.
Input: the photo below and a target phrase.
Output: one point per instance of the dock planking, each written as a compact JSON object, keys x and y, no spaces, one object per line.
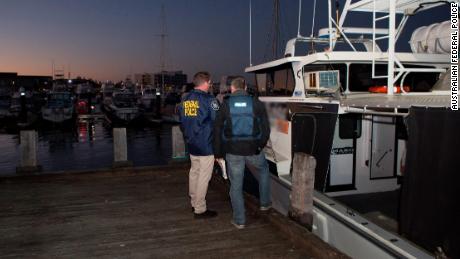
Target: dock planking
{"x":127,"y":214}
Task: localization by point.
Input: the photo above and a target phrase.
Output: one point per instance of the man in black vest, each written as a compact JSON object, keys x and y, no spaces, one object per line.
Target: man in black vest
{"x":241,"y":131}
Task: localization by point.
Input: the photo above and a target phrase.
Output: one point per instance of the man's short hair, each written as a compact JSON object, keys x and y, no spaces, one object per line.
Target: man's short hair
{"x":201,"y":78}
{"x":239,"y":83}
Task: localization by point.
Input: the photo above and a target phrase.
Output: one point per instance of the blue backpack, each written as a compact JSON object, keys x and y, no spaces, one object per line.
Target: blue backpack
{"x":245,"y":125}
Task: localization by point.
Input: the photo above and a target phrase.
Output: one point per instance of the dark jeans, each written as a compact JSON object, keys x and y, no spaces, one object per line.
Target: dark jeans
{"x":236,"y":165}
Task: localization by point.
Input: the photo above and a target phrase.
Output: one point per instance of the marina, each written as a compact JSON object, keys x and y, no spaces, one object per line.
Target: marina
{"x":88,"y":145}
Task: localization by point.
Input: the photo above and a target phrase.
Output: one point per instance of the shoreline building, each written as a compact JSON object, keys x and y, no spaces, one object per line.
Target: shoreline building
{"x":143,"y":79}
{"x":7,"y":80}
{"x":11,"y":81}
{"x":172,"y":80}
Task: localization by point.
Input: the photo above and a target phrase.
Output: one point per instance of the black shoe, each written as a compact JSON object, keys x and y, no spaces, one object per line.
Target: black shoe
{"x":206,"y":215}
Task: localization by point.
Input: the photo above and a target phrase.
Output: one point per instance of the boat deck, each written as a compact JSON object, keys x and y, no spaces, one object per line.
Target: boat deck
{"x":127,"y":214}
{"x":381,"y":208}
{"x":395,"y":101}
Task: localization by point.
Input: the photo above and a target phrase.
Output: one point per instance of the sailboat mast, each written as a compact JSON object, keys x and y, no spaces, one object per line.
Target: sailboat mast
{"x":163,"y":36}
{"x":250,"y":33}
{"x":274,"y":33}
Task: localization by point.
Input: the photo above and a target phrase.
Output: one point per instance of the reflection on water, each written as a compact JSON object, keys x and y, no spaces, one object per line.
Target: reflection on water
{"x":88,"y":145}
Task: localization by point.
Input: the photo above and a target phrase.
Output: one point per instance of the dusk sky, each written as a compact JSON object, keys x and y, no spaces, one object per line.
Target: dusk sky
{"x":109,"y":39}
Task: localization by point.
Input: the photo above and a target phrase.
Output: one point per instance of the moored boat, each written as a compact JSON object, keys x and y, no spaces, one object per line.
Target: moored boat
{"x":122,"y":107}
{"x":319,"y":104}
{"x":148,"y":98}
{"x":59,"y":107}
{"x":25,"y":107}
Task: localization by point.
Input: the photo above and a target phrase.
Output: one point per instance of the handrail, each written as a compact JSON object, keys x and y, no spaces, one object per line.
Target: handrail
{"x":419,"y":70}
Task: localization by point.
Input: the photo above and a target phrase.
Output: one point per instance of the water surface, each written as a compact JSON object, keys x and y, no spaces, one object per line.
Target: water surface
{"x":87,"y":145}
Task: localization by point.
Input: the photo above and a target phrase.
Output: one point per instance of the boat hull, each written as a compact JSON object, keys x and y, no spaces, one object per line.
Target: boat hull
{"x":340,"y":226}
{"x":124,"y":115}
{"x":57,"y":115}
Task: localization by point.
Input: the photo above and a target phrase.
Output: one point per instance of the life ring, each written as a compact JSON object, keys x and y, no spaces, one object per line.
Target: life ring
{"x":382,"y":89}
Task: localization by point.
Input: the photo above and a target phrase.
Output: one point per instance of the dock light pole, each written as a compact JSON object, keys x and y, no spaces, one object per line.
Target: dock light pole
{"x":23,"y":101}
{"x":158,"y":104}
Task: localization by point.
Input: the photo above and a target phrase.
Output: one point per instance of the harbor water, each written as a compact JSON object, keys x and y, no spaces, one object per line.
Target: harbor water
{"x":87,"y":145}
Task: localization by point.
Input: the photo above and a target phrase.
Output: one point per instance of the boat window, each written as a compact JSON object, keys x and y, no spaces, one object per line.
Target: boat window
{"x":59,"y":100}
{"x":276,"y":82}
{"x":361,"y":77}
{"x":349,"y":126}
{"x":324,"y":77}
{"x":124,"y":100}
{"x":284,"y":81}
{"x":261,"y":82}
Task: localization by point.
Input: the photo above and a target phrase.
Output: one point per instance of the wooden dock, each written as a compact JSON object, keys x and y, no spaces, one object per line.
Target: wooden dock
{"x":132,"y":213}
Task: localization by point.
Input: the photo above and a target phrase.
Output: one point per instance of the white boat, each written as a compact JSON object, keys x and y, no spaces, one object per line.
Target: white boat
{"x":107,"y":92}
{"x":16,"y":106}
{"x":83,"y":88}
{"x":148,"y":97}
{"x":123,"y":106}
{"x":26,"y":113}
{"x":59,"y":107}
{"x":319,"y":104}
{"x":85,"y":96}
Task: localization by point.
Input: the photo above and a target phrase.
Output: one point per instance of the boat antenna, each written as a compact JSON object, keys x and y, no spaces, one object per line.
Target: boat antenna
{"x":274,"y":33}
{"x":300,"y":14}
{"x":250,"y":33}
{"x":313,"y":19}
{"x":276,"y":27}
{"x":337,"y":6}
{"x":52,"y":69}
{"x":313,"y":27}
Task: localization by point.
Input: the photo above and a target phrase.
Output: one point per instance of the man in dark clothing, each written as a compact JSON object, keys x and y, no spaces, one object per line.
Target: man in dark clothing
{"x":241,"y":131}
{"x":197,"y":112}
